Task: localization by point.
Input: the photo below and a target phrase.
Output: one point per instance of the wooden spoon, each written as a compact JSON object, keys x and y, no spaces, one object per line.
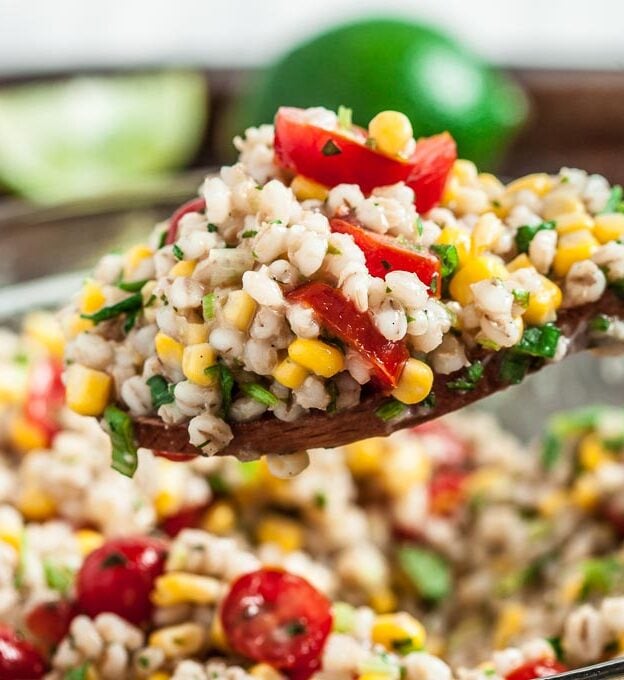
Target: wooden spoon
{"x":318,"y":429}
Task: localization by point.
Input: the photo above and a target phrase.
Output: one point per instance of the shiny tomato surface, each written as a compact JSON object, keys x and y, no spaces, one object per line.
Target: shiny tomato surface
{"x":272,"y":616}
{"x":19,"y":660}
{"x":48,"y":622}
{"x":340,"y":317}
{"x":536,"y":669}
{"x":45,"y":396}
{"x":119,"y":576}
{"x":432,"y":162}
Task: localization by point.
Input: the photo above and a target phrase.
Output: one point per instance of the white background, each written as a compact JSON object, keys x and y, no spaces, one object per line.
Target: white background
{"x":40,"y":35}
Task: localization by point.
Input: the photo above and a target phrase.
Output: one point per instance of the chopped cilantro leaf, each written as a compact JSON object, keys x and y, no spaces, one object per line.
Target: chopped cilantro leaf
{"x":525,"y":234}
{"x":427,"y":571}
{"x":448,"y":258}
{"x":222,"y":374}
{"x":259,"y":393}
{"x":469,"y":379}
{"x":250,"y":233}
{"x":119,"y":423}
{"x":178,"y":253}
{"x":390,"y":409}
{"x":521,"y":297}
{"x":212,"y":228}
{"x":539,"y":341}
{"x":131,"y":304}
{"x":132,"y":286}
{"x":600,"y":323}
{"x":514,"y":367}
{"x":161,"y":391}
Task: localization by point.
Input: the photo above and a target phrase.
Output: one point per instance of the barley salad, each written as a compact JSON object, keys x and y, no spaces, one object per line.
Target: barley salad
{"x":330,"y":262}
{"x":449,"y":551}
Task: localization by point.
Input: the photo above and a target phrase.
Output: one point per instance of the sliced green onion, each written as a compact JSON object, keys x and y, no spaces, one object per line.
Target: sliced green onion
{"x":162,"y":238}
{"x":448,"y":257}
{"x":330,"y":148}
{"x":58,"y":577}
{"x":525,"y":234}
{"x":224,"y":378}
{"x":390,"y":409}
{"x":521,"y":297}
{"x":259,"y":394}
{"x":600,"y":323}
{"x":514,"y":367}
{"x":418,"y":226}
{"x":345,"y":118}
{"x":161,"y":391}
{"x":614,"y":202}
{"x":428,"y":572}
{"x":469,"y":379}
{"x":132,"y":286}
{"x":250,"y":233}
{"x":208,"y":306}
{"x":539,"y":341}
{"x":178,"y":252}
{"x":131,"y":304}
{"x":212,"y":228}
{"x":125,"y":459}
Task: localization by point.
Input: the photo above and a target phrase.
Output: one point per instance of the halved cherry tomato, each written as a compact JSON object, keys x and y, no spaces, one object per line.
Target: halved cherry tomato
{"x":272,"y":616}
{"x":19,"y":660}
{"x":356,"y":329}
{"x":187,"y":518}
{"x":444,"y":445}
{"x":48,"y":622}
{"x":45,"y":396}
{"x":384,"y":255}
{"x":536,"y":669}
{"x":447,"y":491}
{"x":330,"y":157}
{"x":194,"y":205}
{"x":119,"y":576}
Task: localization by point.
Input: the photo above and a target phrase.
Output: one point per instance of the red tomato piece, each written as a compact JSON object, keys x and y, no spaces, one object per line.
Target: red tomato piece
{"x":356,"y":329}
{"x":194,"y":205}
{"x":176,"y":457}
{"x":272,"y":616}
{"x":48,"y":622}
{"x":45,"y":395}
{"x":432,"y":161}
{"x":19,"y":660}
{"x":187,"y":518}
{"x":447,"y":449}
{"x":447,"y":491}
{"x":119,"y":576}
{"x":384,"y":255}
{"x":536,"y":669}
{"x":330,"y":157}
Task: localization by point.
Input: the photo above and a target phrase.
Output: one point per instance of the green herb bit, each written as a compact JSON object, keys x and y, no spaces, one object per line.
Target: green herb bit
{"x":448,"y":258}
{"x":249,"y":233}
{"x":390,"y":409}
{"x":419,"y":227}
{"x":332,"y":389}
{"x":600,"y":323}
{"x":614,"y":202}
{"x":212,"y":228}
{"x":132,"y":286}
{"x":345,"y":117}
{"x":556,"y":644}
{"x":429,"y":402}
{"x":514,"y":367}
{"x":343,"y":617}
{"x":178,"y":253}
{"x":218,"y":484}
{"x":332,"y":250}
{"x":470,"y":378}
{"x":224,"y":378}
{"x":428,"y":572}
{"x":78,"y":673}
{"x":131,"y":304}
{"x":260,"y":394}
{"x":539,"y":341}
{"x":320,"y":500}
{"x":434,"y":284}
{"x":208,"y":306}
{"x":600,"y":575}
{"x":125,"y":459}
{"x":162,"y":238}
{"x":521,"y":297}
{"x":525,"y":234}
{"x":161,"y":390}
{"x":330,"y":148}
{"x":58,"y":577}
{"x":551,"y":451}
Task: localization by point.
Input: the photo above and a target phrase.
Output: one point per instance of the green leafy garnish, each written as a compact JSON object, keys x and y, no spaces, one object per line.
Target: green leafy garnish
{"x":224,"y":378}
{"x":614,"y":202}
{"x":178,"y":253}
{"x":525,"y":234}
{"x":514,"y":367}
{"x":330,"y":148}
{"x":249,"y":233}
{"x":78,"y":673}
{"x":132,"y":286}
{"x":556,"y":644}
{"x":521,"y":297}
{"x":58,"y":577}
{"x":390,"y":409}
{"x":418,"y":226}
{"x":600,"y":575}
{"x":130,"y":305}
{"x":332,"y":250}
{"x":429,"y":402}
{"x":448,"y":258}
{"x":539,"y":341}
{"x":161,"y":390}
{"x":218,"y":484}
{"x":332,"y":390}
{"x":162,"y":238}
{"x":212,"y":228}
{"x":259,"y":394}
{"x":125,"y":459}
{"x":600,"y":323}
{"x":345,"y":118}
{"x":470,"y":378}
{"x":320,"y":500}
{"x":208,"y":306}
{"x":429,"y":572}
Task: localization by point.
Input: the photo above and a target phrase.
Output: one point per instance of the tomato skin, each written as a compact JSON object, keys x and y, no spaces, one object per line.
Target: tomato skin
{"x":119,"y":576}
{"x":194,"y":205}
{"x":187,"y":518}
{"x":261,"y":611}
{"x":383,"y":255}
{"x":19,"y":660}
{"x":536,"y":669}
{"x":175,"y":457}
{"x":48,"y":622}
{"x":447,"y":491}
{"x":356,"y":329}
{"x":45,"y":396}
{"x":432,"y":161}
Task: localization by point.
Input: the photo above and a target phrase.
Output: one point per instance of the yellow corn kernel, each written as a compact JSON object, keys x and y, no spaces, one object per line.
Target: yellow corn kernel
{"x":183,"y":268}
{"x":195,"y":333}
{"x":219,"y":519}
{"x":592,"y":454}
{"x":92,"y":297}
{"x":374,"y":675}
{"x":10,"y":538}
{"x":484,"y":480}
{"x":290,"y":374}
{"x":510,"y":623}
{"x":573,"y":247}
{"x":392,"y":132}
{"x":539,"y":183}
{"x":365,"y":457}
{"x":491,"y":184}
{"x":44,"y":328}
{"x":239,"y":309}
{"x":415,"y":382}
{"x":552,"y":503}
{"x":520,"y":262}
{"x":133,"y":258}
{"x":383,"y":601}
{"x":217,"y":635}
{"x":25,"y":435}
{"x":476,"y":269}
{"x":159,"y":675}
{"x":74,"y":325}
{"x":87,"y":390}
{"x":464,"y":171}
{"x":92,"y":673}
{"x":460,"y":238}
{"x":319,"y":357}
{"x":178,"y":641}
{"x":306,"y":189}
{"x":176,"y":587}
{"x":585,"y":493}
{"x":282,"y":531}
{"x":88,"y":540}
{"x":486,"y":232}
{"x":573,"y":222}
{"x":561,"y":203}
{"x":404,"y":466}
{"x":543,"y":303}
{"x":399,"y":632}
{"x":35,"y":504}
{"x":166,"y":502}
{"x":195,"y":360}
{"x":572,"y":587}
{"x":263,"y":671}
{"x":609,"y":227}
{"x":169,"y":351}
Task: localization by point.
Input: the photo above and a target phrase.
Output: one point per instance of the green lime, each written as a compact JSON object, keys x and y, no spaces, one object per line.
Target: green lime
{"x":86,"y":135}
{"x":379,"y":64}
